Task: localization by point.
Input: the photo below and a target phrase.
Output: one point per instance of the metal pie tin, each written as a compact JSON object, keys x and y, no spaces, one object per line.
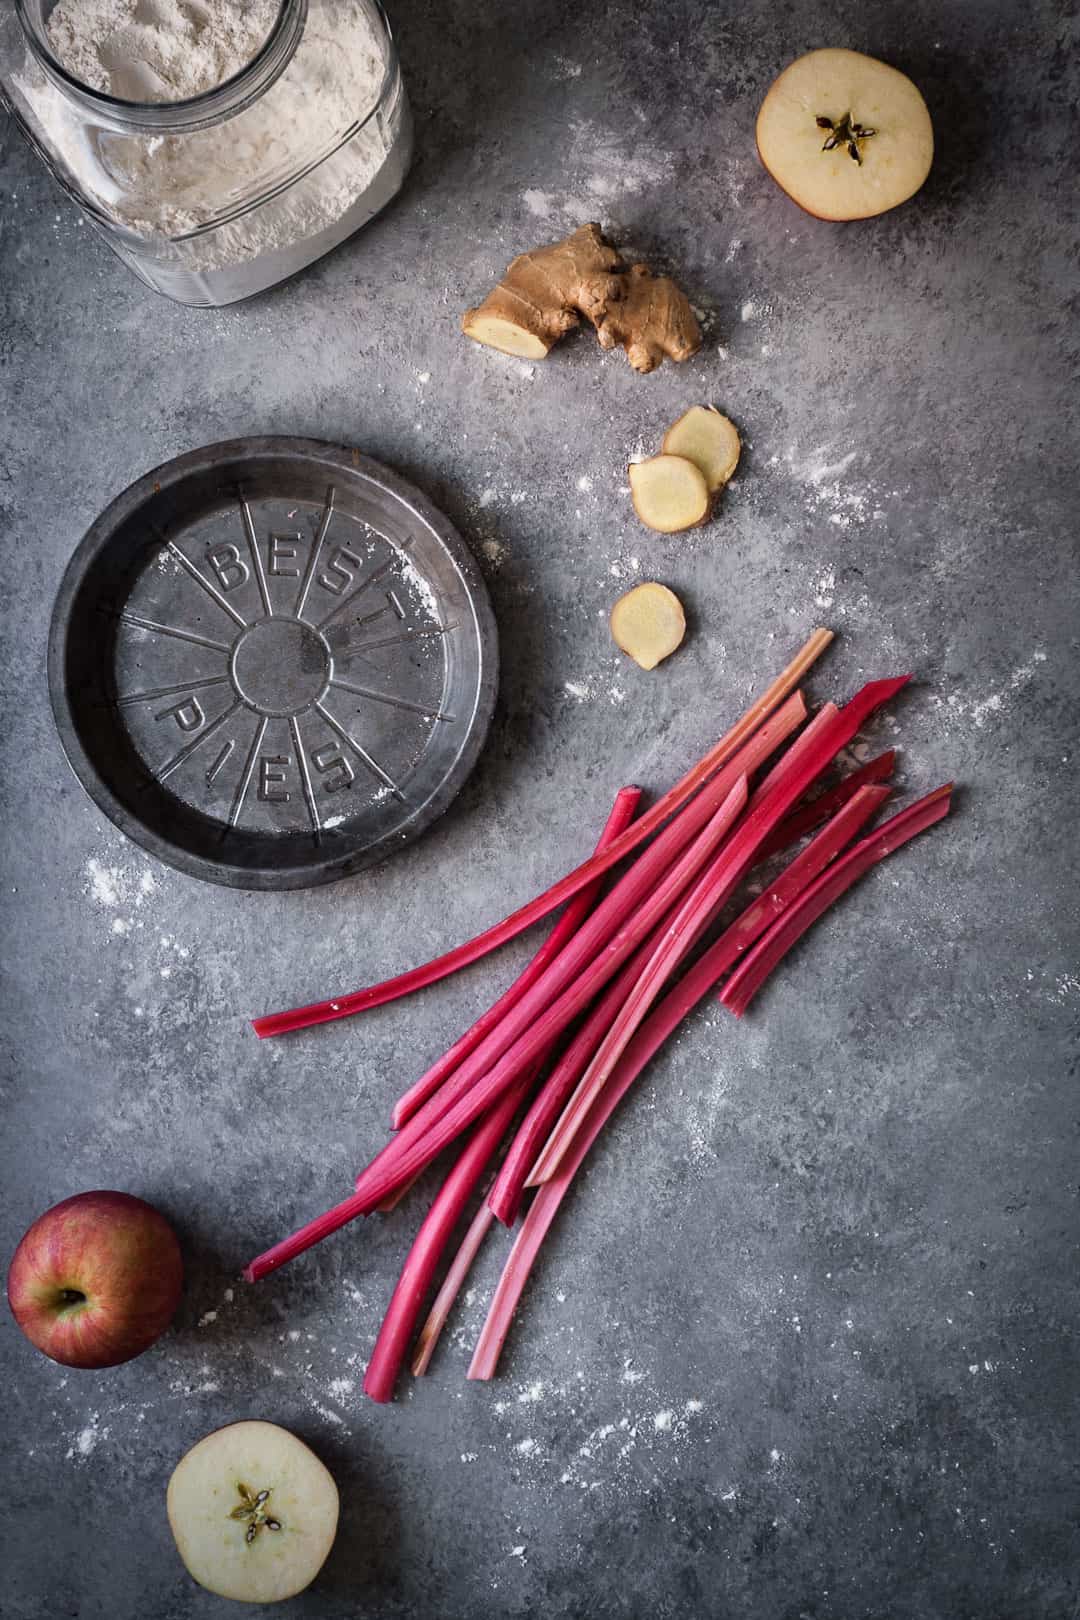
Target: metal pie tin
{"x":272,"y":662}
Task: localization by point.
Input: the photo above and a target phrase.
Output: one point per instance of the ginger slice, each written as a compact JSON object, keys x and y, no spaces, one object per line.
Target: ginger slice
{"x":652,"y":320}
{"x":709,"y":440}
{"x":544,"y":294}
{"x":669,"y":493}
{"x":648,"y":623}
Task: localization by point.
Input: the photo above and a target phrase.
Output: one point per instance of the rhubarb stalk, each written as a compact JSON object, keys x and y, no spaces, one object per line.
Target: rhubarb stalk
{"x":748,"y":978}
{"x":786,"y":783}
{"x":424,"y":1256}
{"x":656,"y":1029}
{"x":460,"y":1266}
{"x":506,"y":1194}
{"x":422,"y":1139}
{"x":344,"y":1006}
{"x":436,"y":1124}
{"x":807,"y":817}
{"x":622,"y":814}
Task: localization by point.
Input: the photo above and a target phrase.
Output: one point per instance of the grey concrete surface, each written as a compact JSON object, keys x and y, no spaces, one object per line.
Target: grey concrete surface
{"x":803,"y":1343}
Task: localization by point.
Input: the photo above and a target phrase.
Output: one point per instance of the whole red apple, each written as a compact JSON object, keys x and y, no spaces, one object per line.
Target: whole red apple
{"x":96,"y":1279}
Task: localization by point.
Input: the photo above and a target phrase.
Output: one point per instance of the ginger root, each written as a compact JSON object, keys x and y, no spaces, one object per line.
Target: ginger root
{"x":651,"y":320}
{"x":669,"y":493}
{"x":648,"y":623}
{"x":545,"y":294}
{"x":709,"y":440}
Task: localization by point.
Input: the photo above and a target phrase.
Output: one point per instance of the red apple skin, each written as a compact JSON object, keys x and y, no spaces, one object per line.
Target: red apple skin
{"x":118,"y":1252}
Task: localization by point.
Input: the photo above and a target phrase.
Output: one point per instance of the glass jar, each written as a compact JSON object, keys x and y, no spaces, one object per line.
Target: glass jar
{"x":215,"y":198}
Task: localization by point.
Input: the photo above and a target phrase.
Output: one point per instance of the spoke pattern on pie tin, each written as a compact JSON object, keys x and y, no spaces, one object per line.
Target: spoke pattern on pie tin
{"x":361,"y":753}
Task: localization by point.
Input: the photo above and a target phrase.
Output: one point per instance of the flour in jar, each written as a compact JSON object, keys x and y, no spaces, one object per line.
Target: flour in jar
{"x":290,"y":165}
{"x":159,"y":50}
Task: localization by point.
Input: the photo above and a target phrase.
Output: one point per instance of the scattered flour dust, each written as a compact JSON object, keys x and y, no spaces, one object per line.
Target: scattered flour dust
{"x":602,"y":169}
{"x":119,"y":889}
{"x":995,"y":703}
{"x":422,"y":588}
{"x":1019,"y":678}
{"x":88,"y":1438}
{"x":825,"y":588}
{"x":829,"y":492}
{"x":602,"y":1457}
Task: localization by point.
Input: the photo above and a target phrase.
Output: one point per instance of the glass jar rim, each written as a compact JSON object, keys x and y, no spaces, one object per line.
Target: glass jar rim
{"x":221,"y":99}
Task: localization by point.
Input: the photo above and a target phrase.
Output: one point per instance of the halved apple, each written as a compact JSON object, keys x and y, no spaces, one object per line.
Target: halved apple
{"x":846,"y":136}
{"x":253,"y":1512}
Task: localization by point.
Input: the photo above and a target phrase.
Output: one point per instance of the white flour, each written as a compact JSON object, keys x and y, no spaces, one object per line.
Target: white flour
{"x":218,"y":180}
{"x":159,"y":50}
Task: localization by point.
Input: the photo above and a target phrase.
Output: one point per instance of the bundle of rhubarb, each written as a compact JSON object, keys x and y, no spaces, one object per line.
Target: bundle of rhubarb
{"x":525,"y":1092}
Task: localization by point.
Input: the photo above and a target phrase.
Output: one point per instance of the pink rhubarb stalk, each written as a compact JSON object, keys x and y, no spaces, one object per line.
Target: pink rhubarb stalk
{"x":619,"y":904}
{"x":656,"y":1029}
{"x":508,"y":1190}
{"x":748,"y":978}
{"x":323,"y":1012}
{"x":808,"y":817}
{"x":531,"y":1135}
{"x":460,"y":1100}
{"x":419,"y":1269}
{"x":537,"y":1024}
{"x":622,"y":814}
{"x":460,"y":1266}
{"x":783,"y":787}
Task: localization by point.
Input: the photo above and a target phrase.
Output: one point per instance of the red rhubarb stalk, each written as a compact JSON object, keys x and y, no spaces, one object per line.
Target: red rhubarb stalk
{"x":656,"y":1029}
{"x":323,"y":1012}
{"x":622,"y":814}
{"x":388,"y":1205}
{"x":460,"y":1266}
{"x":422,"y":1139}
{"x":783,"y":787}
{"x":814,"y":814}
{"x":751,"y":974}
{"x":384,"y":1175}
{"x":460,"y":1100}
{"x":467,"y":1094}
{"x":506,"y":1195}
{"x":509,"y":1188}
{"x":419,"y":1269}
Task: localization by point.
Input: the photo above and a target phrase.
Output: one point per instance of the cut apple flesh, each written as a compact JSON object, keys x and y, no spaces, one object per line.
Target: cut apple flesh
{"x":648,"y":623}
{"x":669,"y":493}
{"x":705,"y":437}
{"x":253,"y":1512}
{"x":845,"y":135}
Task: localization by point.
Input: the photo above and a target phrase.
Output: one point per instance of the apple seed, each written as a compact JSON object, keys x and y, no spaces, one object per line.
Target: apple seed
{"x":844,"y":133}
{"x":253,"y":1506}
